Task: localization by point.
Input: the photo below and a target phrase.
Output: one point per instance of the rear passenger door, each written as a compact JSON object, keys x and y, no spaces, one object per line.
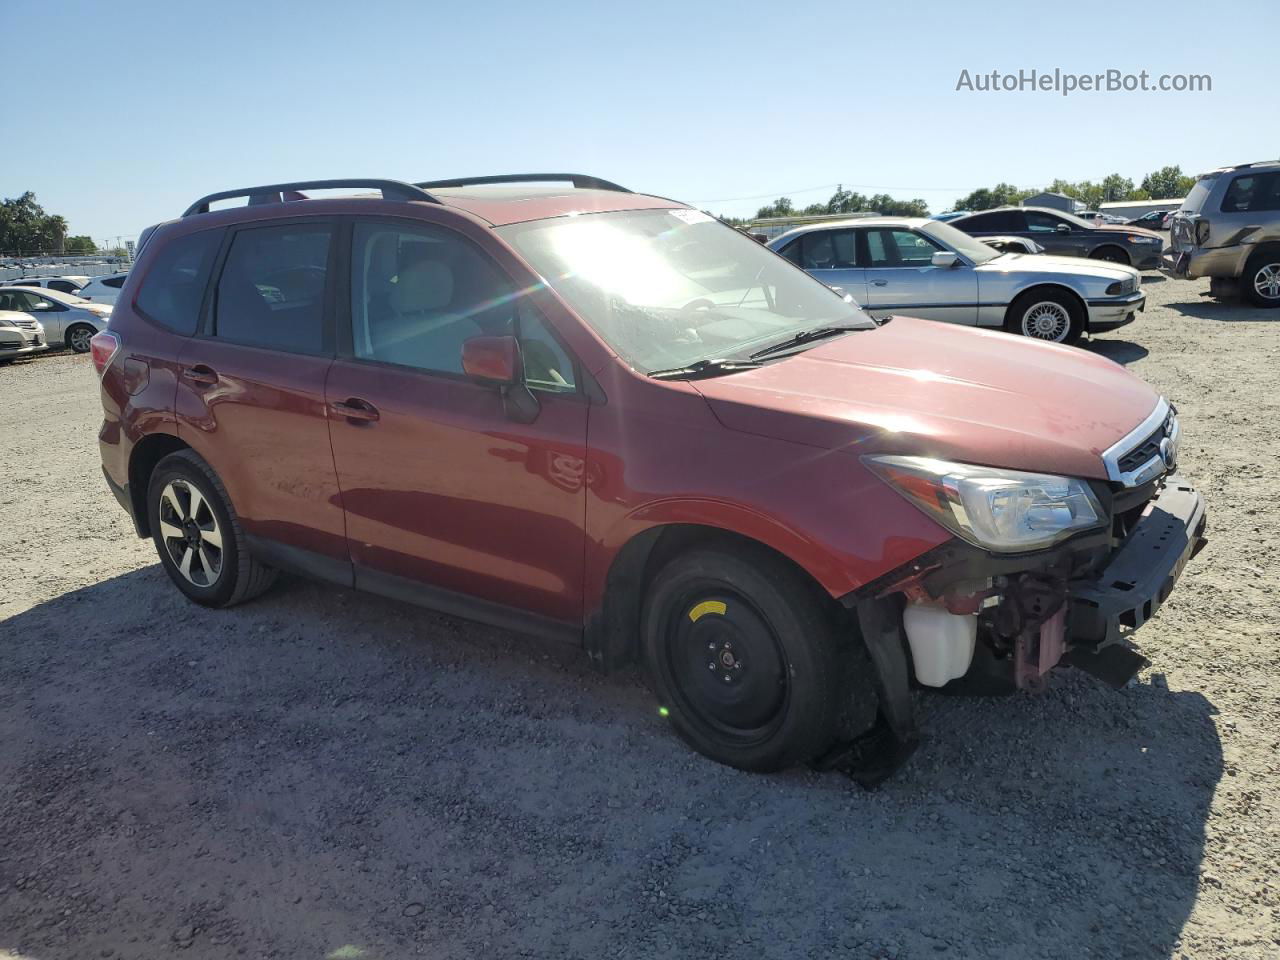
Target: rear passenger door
{"x":250,"y":396}
{"x":901,"y":278}
{"x":832,"y":257}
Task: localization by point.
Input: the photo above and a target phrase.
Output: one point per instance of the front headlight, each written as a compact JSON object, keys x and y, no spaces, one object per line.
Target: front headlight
{"x":1006,"y":511}
{"x":1135,"y":239}
{"x":1128,"y":285}
{"x":7,"y":323}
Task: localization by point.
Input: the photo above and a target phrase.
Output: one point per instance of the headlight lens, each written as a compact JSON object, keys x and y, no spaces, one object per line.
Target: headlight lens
{"x":1136,"y":239}
{"x":1006,"y":511}
{"x":7,"y":323}
{"x":1123,"y":286}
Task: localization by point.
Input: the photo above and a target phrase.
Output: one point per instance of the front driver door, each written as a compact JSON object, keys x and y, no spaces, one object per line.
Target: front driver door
{"x":447,"y":498}
{"x":901,"y":278}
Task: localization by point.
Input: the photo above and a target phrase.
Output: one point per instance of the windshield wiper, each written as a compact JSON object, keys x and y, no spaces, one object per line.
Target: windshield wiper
{"x":703,"y":368}
{"x":803,"y":337}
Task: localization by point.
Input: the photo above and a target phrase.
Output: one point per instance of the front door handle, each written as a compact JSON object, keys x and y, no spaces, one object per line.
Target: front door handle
{"x":879,"y":283}
{"x":355,"y":410}
{"x":200,"y":374}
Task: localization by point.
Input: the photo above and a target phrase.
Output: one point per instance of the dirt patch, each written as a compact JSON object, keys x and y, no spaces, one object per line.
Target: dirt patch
{"x":324,"y":774}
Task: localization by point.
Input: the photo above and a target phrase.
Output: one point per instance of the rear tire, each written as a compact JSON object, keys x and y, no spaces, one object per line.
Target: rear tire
{"x":1260,"y":283}
{"x":1050,"y":315}
{"x":78,"y":337}
{"x":748,"y":659}
{"x":198,"y":536}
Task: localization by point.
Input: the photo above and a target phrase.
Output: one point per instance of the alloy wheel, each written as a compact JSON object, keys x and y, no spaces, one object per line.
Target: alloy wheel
{"x":1046,"y":320}
{"x":191,"y":534}
{"x":80,"y":338}
{"x":1267,"y":281}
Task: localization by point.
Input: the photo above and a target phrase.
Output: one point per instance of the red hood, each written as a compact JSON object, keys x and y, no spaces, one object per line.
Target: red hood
{"x":932,"y":389}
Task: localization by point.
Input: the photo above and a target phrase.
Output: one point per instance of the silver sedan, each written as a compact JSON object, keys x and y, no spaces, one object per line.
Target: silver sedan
{"x":927,"y":269}
{"x":68,"y":320}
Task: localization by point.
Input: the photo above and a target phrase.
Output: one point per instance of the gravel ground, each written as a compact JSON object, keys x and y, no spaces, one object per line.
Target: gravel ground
{"x":325,"y":774}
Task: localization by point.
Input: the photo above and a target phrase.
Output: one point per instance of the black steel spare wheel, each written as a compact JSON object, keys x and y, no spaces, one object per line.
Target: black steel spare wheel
{"x":750,"y":660}
{"x":727,"y":663}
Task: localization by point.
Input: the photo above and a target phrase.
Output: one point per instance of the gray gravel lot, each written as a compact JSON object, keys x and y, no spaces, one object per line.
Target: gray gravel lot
{"x":324,"y":774}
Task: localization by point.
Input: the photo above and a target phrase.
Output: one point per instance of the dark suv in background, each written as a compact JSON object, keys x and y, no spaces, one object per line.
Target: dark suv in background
{"x":1066,"y":235}
{"x":606,"y":417}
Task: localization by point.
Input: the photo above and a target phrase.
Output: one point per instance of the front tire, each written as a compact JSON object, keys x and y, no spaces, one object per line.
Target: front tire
{"x":78,"y":337}
{"x":1046,"y":315}
{"x":198,"y":536}
{"x":1111,"y":255}
{"x":1261,"y":281}
{"x":745,"y":655}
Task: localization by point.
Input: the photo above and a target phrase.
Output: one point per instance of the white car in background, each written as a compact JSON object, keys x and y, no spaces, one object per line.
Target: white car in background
{"x":20,"y":335}
{"x":67,"y":319}
{"x":68,"y":284}
{"x":103,"y":289}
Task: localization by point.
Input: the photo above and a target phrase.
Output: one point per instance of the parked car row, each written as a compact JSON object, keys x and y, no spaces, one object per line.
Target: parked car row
{"x":606,"y":417}
{"x":47,"y":317}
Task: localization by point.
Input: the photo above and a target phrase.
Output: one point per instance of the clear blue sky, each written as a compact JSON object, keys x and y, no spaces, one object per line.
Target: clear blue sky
{"x":707,"y":102}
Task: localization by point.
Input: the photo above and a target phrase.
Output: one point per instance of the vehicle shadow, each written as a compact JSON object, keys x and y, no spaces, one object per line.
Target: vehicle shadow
{"x":1226,"y":310}
{"x":1121,"y":351}
{"x":321,"y":773}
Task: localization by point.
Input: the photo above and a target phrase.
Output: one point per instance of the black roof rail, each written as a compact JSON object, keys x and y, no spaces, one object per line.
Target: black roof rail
{"x":580,"y":181}
{"x":274,"y":192}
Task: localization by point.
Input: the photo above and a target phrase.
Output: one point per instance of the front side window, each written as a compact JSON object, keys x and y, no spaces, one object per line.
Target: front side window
{"x":899,"y":248}
{"x":1038,"y":222}
{"x":175,"y":281}
{"x":667,"y":288}
{"x":114,"y":282}
{"x":418,"y":294}
{"x":271,"y":291}
{"x":66,"y":286}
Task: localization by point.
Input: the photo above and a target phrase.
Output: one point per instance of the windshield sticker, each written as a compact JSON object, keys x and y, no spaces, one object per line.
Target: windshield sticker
{"x":691,"y":216}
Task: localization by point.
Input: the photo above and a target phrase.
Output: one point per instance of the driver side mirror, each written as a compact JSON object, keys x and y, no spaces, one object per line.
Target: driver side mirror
{"x":497,"y":362}
{"x":944,"y":258}
{"x":1063,"y":228}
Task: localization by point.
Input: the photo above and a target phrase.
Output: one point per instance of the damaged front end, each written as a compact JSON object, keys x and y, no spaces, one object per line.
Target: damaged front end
{"x":1076,"y":604}
{"x":974,"y":616}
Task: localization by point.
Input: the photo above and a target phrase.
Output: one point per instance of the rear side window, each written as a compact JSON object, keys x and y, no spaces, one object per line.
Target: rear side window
{"x":1254,"y":192}
{"x":116,"y":282}
{"x":825,"y":250}
{"x":174,"y":284}
{"x":998,"y":221}
{"x":66,"y":286}
{"x":271,"y":291}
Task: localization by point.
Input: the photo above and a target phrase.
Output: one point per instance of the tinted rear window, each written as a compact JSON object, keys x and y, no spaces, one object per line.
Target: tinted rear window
{"x":174,"y":285}
{"x":271,"y":292}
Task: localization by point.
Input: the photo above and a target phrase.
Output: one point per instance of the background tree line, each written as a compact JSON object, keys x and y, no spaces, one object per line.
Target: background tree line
{"x":1163,"y":184}
{"x":26,"y":230}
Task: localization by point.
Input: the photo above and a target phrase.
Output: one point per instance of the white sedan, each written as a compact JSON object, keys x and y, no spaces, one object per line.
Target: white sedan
{"x":67,"y":319}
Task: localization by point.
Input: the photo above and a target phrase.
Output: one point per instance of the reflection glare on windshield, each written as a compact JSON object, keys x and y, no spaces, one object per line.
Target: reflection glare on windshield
{"x":668,"y":288}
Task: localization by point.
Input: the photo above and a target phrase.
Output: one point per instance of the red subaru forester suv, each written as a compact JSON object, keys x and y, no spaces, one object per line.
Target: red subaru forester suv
{"x":604,"y":416}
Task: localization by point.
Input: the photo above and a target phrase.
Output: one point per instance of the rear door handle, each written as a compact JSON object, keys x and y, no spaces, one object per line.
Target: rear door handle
{"x":355,"y":409}
{"x":879,"y":283}
{"x":204,"y":376}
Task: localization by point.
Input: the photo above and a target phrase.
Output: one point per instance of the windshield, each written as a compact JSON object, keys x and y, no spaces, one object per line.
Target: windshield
{"x":960,"y":242}
{"x":667,"y":288}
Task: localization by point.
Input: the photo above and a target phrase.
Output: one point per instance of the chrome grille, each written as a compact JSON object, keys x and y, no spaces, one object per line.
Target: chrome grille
{"x":26,"y":323}
{"x":1150,"y":450}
